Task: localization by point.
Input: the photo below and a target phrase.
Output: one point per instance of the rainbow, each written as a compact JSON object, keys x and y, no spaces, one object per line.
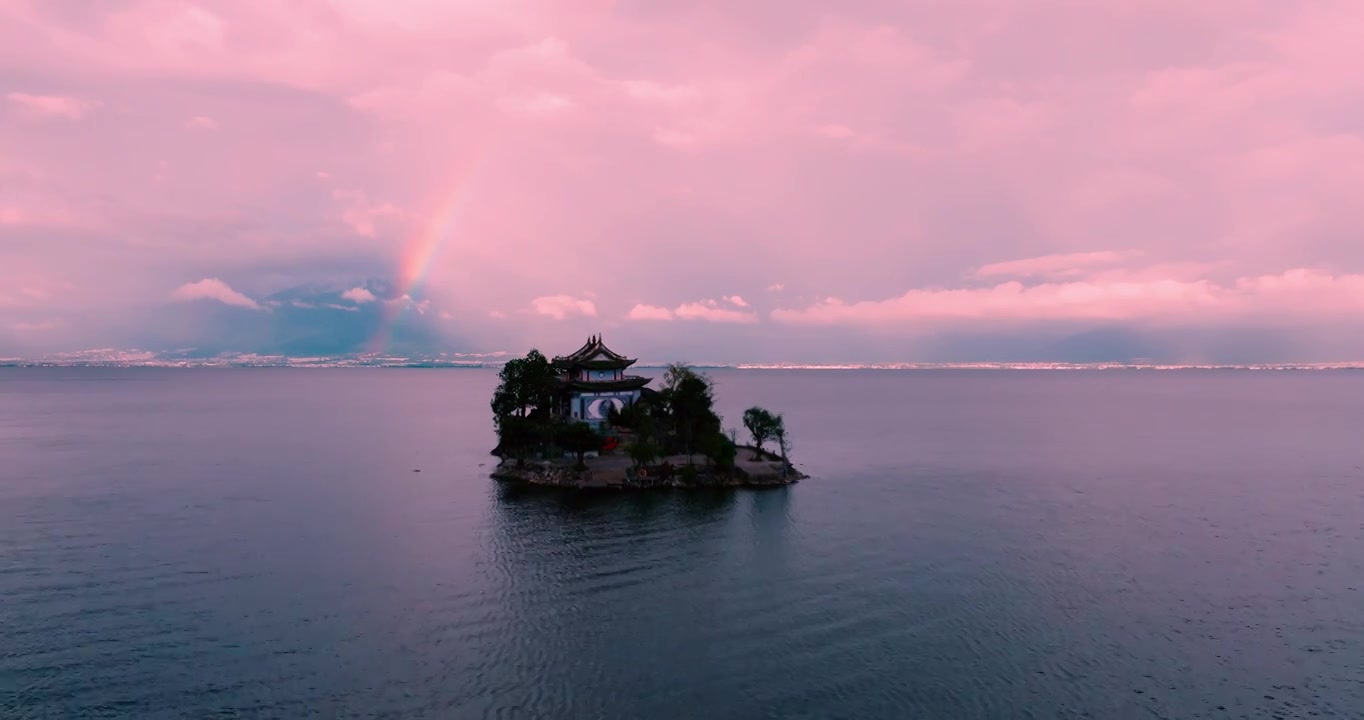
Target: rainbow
{"x":415,"y":262}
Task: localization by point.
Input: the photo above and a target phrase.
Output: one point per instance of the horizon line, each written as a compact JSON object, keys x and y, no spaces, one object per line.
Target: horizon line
{"x":128,"y":359}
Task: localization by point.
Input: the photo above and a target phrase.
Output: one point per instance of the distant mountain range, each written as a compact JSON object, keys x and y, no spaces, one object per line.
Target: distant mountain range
{"x":192,"y":357}
{"x":367,"y":324}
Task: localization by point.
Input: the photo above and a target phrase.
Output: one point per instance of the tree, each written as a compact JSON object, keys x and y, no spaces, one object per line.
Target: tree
{"x":783,"y":441}
{"x":720,"y":449}
{"x":643,"y":451}
{"x":521,"y":405}
{"x":579,"y":439}
{"x":516,"y":436}
{"x":693,"y":413}
{"x":527,"y":384}
{"x":677,"y":372}
{"x":761,"y":424}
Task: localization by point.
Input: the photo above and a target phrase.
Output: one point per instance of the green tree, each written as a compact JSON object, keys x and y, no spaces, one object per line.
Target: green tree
{"x":579,"y":439}
{"x":761,"y":424}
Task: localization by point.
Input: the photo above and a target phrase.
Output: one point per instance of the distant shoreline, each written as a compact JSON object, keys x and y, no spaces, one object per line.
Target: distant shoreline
{"x":393,"y":363}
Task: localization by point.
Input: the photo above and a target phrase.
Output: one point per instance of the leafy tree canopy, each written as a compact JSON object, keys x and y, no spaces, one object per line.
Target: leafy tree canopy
{"x":762,"y":425}
{"x":527,"y":384}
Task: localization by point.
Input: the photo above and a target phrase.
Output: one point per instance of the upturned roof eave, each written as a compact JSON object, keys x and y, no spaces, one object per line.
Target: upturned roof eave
{"x":633,"y":382}
{"x":593,"y":346}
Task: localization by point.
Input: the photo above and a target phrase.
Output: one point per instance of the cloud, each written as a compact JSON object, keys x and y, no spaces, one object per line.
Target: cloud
{"x":51,"y":106}
{"x":680,"y":151}
{"x":1068,"y":264}
{"x":214,"y":289}
{"x":541,"y":103}
{"x":359,"y":295}
{"x":362,"y":215}
{"x":836,"y":132}
{"x":710,"y":311}
{"x":650,"y":312}
{"x":560,"y":307}
{"x":1296,"y":295}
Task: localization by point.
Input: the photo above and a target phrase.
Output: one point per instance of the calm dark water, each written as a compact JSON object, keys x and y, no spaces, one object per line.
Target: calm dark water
{"x":255,"y":544}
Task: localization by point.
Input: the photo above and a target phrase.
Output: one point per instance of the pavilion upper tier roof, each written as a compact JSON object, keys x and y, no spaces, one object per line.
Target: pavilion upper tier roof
{"x":594,"y":354}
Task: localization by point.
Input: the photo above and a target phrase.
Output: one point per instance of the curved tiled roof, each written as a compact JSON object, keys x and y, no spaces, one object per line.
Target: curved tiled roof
{"x":586,"y":356}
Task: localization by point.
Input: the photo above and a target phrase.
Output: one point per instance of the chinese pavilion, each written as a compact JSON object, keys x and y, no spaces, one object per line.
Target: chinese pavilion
{"x":593,"y":381}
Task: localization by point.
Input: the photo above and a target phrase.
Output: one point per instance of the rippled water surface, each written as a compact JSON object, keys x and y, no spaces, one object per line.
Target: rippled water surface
{"x":256,"y":543}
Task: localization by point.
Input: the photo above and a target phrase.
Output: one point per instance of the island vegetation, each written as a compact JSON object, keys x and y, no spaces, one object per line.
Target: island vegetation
{"x":669,"y":437}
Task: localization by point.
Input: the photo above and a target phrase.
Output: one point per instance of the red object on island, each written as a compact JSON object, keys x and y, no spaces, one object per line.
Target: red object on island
{"x":610,"y":444}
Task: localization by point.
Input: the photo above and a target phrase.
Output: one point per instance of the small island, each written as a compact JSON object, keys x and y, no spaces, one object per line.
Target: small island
{"x":579,"y":421}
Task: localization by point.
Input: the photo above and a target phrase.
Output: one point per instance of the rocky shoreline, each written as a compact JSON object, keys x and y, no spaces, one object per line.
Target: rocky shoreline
{"x":605,"y":474}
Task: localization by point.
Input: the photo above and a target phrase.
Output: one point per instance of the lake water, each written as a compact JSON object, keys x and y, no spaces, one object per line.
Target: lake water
{"x":1006,"y":544}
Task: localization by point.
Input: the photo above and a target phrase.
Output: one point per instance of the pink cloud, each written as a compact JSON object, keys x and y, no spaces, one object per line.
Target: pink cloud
{"x":650,"y":312}
{"x":853,"y":152}
{"x":652,"y":92}
{"x":214,"y":289}
{"x":1068,"y":264}
{"x":362,"y":215}
{"x":36,"y":326}
{"x":560,"y":307}
{"x":407,"y":302}
{"x":707,"y":310}
{"x":835,"y":131}
{"x":359,"y":295}
{"x":52,"y":106}
{"x":710,"y":311}
{"x":1294,"y":294}
{"x":540,"y":103}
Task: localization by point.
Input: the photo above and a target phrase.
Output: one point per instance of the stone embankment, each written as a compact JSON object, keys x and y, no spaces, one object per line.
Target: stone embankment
{"x":615,"y":472}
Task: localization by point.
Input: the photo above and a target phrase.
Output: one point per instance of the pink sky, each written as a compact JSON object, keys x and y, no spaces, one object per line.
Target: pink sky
{"x":688,"y":176}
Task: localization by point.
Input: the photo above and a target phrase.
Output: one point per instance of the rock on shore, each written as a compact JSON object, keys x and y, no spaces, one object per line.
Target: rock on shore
{"x":615,"y":472}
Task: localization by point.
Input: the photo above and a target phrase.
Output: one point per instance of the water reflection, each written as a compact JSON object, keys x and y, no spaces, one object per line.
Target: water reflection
{"x":603,"y":591}
{"x":1028,"y":544}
